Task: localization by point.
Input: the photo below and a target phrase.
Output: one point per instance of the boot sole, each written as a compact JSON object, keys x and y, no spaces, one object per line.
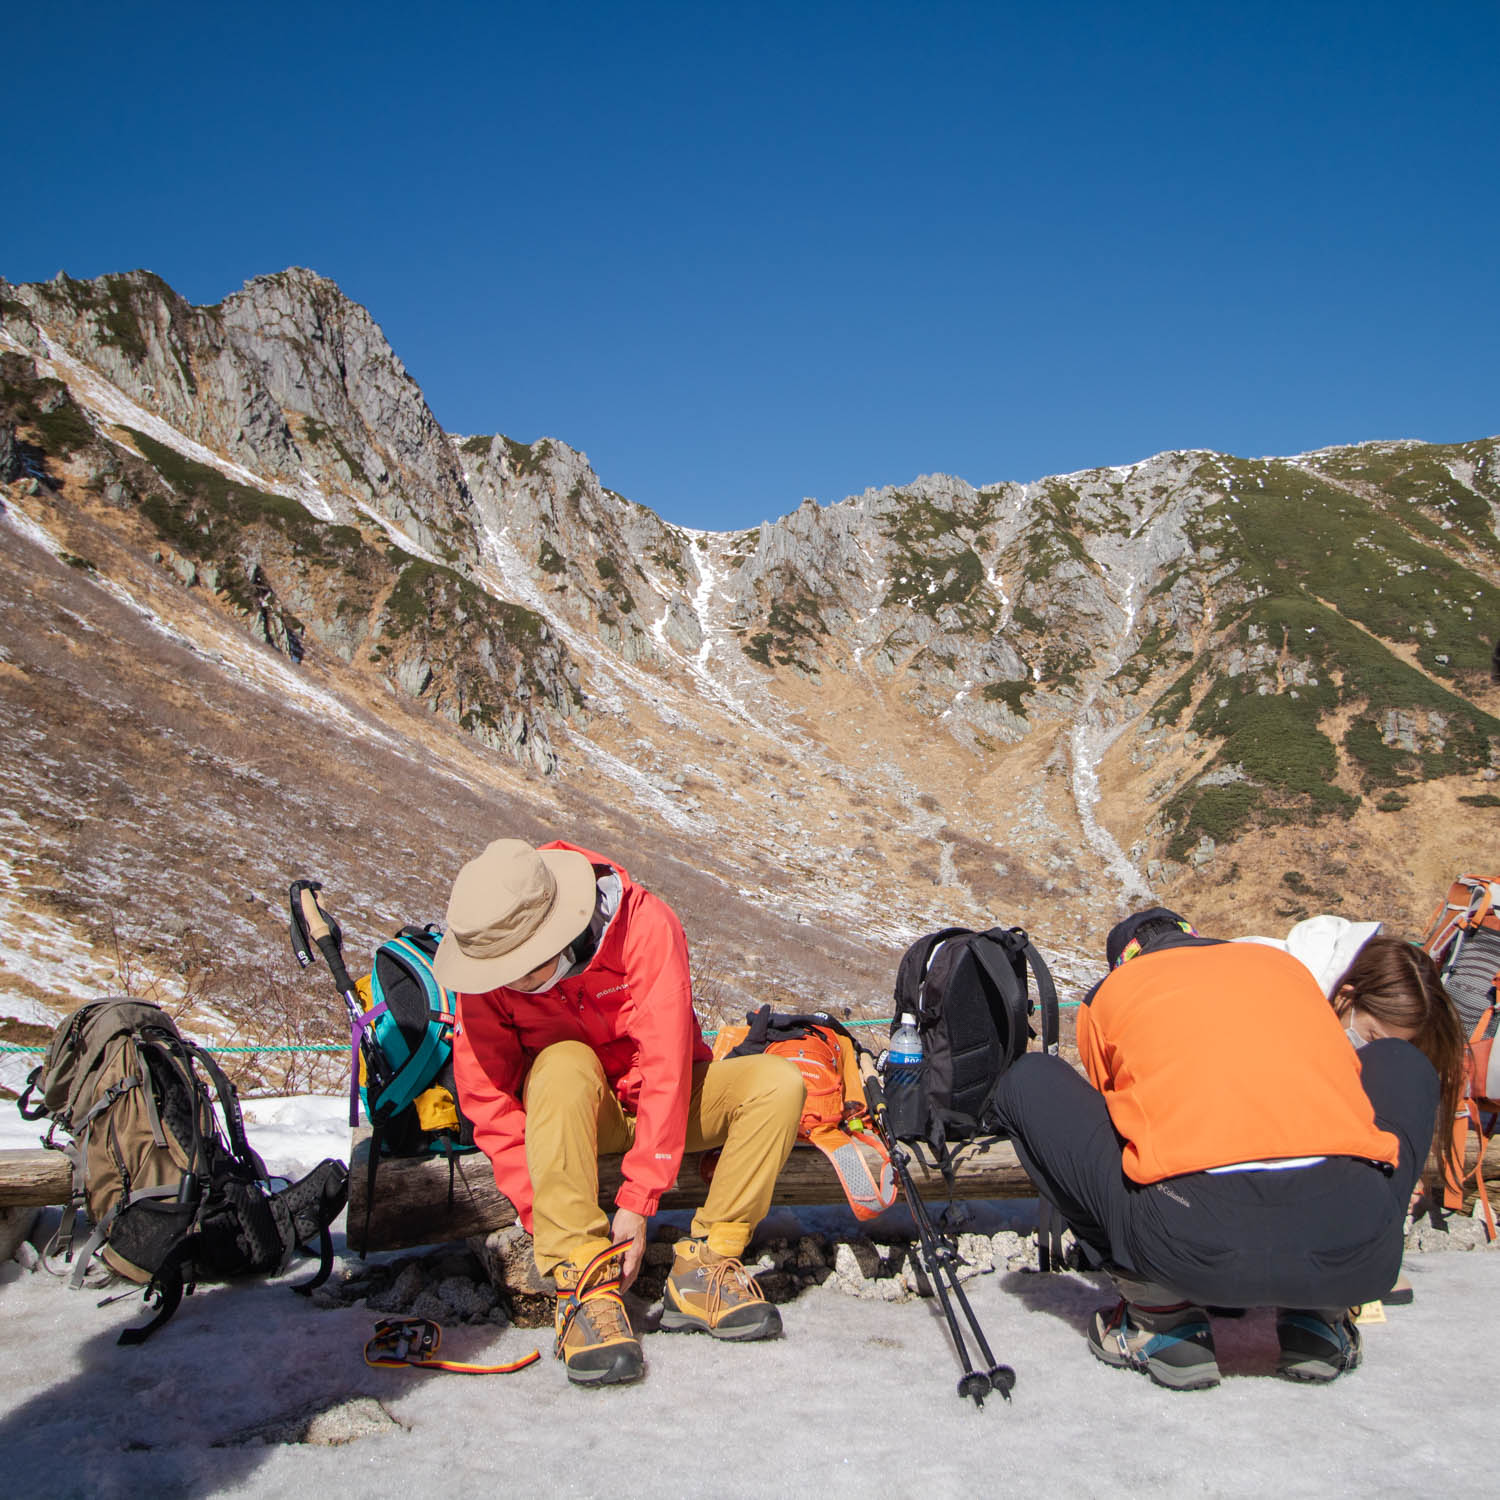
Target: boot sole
{"x":1314,"y":1371}
{"x":1199,"y":1379}
{"x":673,"y":1321}
{"x":1202,"y":1377}
{"x":618,"y":1372}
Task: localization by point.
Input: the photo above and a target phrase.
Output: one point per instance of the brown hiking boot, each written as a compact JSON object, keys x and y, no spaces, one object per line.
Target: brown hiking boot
{"x":717,"y":1294}
{"x":594,"y":1337}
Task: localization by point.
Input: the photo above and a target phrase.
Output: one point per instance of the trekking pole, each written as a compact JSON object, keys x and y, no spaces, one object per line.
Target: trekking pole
{"x":938,"y":1257}
{"x":310,"y":922}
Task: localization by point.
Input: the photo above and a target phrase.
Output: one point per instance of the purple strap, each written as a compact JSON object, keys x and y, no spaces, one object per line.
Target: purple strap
{"x":357,"y":1027}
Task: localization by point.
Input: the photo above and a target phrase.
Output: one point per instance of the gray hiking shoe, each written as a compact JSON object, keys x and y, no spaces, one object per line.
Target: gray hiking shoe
{"x":1173,"y":1345}
{"x":716,"y":1294}
{"x":1317,"y":1343}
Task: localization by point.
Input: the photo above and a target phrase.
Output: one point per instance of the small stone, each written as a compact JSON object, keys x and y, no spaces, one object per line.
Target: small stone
{"x":809,"y":1254}
{"x":446,"y":1263}
{"x":325,"y":1428}
{"x":362,"y":1417}
{"x":408,"y":1285}
{"x":427,"y":1304}
{"x":778,"y":1286}
{"x":1011,"y":1250}
{"x":975,"y":1250}
{"x":532,"y":1312}
{"x":507,"y":1258}
{"x":465,"y":1298}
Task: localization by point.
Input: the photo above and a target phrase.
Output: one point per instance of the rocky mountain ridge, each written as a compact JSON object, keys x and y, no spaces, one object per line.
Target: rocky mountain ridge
{"x":1252,"y":688}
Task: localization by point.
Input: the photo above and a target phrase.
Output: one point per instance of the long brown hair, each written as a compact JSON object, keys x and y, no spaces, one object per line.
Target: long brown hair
{"x":1398,"y":984}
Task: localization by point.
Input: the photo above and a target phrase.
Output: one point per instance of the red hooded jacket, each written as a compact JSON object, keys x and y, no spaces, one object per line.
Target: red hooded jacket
{"x":633,"y":1004}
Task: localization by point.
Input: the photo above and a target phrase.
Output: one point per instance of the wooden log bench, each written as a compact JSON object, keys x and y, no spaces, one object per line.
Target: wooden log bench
{"x":29,"y":1181}
{"x":34,"y":1177}
{"x":412,"y":1204}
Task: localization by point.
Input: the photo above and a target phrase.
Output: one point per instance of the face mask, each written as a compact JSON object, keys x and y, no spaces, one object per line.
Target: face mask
{"x":1354,"y":1037}
{"x":559,"y":973}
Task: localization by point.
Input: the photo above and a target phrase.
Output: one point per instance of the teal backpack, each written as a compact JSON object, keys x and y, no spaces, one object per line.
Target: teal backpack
{"x":405,"y":1079}
{"x":401,"y":1023}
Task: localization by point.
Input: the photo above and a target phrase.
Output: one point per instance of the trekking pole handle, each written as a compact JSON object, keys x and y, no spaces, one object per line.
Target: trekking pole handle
{"x":319,"y":930}
{"x":312,"y":916}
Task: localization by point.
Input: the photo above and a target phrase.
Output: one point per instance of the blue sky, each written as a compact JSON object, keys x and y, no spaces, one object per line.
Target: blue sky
{"x":744,"y":254}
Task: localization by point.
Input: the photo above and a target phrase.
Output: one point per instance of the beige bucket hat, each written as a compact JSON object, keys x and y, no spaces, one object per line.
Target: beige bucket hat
{"x":511,"y":909}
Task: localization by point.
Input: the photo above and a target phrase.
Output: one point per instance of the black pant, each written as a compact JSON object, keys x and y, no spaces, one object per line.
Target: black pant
{"x":1322,"y":1236}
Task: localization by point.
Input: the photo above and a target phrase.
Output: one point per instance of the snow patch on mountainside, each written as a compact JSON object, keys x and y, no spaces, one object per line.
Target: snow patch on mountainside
{"x":259,"y":667}
{"x":113,"y":408}
{"x":1090,"y":737}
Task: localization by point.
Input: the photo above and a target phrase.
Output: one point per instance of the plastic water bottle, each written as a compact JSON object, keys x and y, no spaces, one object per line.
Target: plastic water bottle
{"x":903,"y":1078}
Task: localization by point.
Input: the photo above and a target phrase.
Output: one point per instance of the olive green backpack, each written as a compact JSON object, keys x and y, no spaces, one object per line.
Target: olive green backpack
{"x":167,"y":1189}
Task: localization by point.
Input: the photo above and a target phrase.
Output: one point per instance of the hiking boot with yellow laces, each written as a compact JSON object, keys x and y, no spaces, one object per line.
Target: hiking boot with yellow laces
{"x":594,"y":1337}
{"x":717,"y":1294}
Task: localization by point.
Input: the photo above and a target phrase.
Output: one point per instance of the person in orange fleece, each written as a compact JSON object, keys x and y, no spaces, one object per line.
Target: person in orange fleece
{"x":576,"y":1035}
{"x":1228,"y":1148}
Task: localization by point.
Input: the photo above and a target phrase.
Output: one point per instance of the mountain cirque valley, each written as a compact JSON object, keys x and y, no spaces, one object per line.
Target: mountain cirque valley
{"x":261,"y":617}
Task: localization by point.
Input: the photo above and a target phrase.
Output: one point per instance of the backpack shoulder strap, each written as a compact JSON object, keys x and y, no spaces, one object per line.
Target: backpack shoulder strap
{"x":1016,"y":943}
{"x":1046,"y":991}
{"x":911,"y":975}
{"x":229,"y":1108}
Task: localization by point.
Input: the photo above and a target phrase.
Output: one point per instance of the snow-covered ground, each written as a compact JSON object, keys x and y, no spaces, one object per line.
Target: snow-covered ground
{"x":856,"y":1400}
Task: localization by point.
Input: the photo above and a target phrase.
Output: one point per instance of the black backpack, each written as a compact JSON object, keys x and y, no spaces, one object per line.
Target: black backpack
{"x":968,"y":992}
{"x":166,"y":1186}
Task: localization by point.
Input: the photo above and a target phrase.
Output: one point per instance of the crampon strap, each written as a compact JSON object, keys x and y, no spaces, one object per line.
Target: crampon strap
{"x":415,"y":1341}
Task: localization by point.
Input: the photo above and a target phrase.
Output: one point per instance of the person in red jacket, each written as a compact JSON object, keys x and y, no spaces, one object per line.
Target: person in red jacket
{"x":576,"y":1035}
{"x":1228,"y":1148}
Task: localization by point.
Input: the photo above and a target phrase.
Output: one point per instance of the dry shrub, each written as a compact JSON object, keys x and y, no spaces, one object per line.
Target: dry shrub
{"x":265,"y":1008}
{"x":272,"y":1009}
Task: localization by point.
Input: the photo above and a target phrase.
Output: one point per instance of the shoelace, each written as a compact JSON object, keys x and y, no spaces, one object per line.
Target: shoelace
{"x":728,"y":1269}
{"x":398,"y":1342}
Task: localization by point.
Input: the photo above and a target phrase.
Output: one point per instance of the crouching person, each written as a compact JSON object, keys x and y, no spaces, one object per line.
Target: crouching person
{"x":576,"y":1035}
{"x":1231,"y":1149}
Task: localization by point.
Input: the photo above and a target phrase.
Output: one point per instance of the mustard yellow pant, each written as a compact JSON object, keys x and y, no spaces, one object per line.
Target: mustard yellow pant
{"x":749,"y":1106}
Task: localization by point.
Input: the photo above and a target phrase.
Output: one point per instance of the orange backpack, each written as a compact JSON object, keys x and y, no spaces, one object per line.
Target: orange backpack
{"x":1463,"y":938}
{"x":835,"y":1118}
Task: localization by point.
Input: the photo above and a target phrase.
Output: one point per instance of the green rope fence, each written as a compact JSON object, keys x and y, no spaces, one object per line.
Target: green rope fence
{"x":344,"y":1046}
{"x":311,"y":1047}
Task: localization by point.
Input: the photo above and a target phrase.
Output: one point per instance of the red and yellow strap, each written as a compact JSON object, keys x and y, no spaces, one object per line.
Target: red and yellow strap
{"x":398,"y":1342}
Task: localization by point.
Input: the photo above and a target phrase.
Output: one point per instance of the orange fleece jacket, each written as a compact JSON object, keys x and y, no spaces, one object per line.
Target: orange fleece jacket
{"x":1209,"y":1056}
